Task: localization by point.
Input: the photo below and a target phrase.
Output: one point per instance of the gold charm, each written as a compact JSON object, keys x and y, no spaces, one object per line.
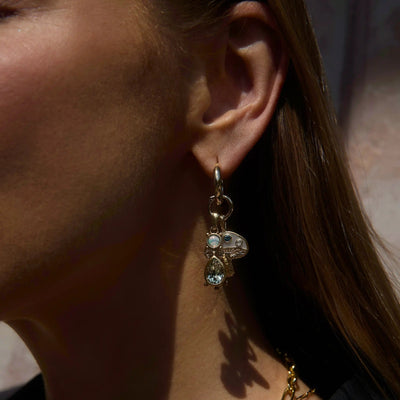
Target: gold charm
{"x":222,"y":245}
{"x":290,"y":392}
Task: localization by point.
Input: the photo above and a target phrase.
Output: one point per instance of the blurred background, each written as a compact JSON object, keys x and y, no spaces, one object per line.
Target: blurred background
{"x":360,"y":45}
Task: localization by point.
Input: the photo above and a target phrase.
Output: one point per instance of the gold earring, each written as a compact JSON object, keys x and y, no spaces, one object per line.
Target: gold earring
{"x":222,"y":245}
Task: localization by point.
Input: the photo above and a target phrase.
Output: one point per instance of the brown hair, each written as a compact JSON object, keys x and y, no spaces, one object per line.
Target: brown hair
{"x":315,"y":239}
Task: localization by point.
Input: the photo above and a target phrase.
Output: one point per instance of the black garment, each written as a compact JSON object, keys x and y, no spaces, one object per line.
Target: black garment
{"x":33,"y":390}
{"x":353,"y":389}
{"x":356,"y":389}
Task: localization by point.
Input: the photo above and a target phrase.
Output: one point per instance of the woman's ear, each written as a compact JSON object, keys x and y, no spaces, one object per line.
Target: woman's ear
{"x":241,"y":73}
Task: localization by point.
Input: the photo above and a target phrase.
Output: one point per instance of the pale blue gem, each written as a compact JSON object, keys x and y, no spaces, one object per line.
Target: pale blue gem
{"x":214,"y":241}
{"x":215,"y":272}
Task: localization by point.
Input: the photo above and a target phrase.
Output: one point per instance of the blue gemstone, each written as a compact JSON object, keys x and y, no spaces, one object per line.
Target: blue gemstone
{"x":215,"y":272}
{"x":227,"y":238}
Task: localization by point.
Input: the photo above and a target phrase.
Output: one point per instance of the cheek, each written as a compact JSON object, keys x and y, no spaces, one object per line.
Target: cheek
{"x":57,"y":78}
{"x":59,"y":110}
{"x":84,"y":119}
{"x":63,"y":104}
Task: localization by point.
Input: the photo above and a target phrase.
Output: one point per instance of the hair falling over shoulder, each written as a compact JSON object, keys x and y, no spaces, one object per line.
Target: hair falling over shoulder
{"x":326,"y":244}
{"x":314,"y":237}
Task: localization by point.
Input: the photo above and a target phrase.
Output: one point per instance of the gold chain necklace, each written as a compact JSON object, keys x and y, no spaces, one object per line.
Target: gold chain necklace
{"x":290,"y":392}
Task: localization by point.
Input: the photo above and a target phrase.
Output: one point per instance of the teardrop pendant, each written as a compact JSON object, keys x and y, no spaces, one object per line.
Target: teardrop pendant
{"x":214,"y":272}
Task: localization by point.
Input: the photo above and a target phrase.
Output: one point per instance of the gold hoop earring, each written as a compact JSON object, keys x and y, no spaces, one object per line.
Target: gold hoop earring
{"x":222,"y":245}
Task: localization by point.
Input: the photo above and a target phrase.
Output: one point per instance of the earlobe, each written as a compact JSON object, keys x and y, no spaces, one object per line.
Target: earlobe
{"x":242,"y":95}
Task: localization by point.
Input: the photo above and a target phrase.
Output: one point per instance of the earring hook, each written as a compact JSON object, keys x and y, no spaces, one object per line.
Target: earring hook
{"x":219,"y":185}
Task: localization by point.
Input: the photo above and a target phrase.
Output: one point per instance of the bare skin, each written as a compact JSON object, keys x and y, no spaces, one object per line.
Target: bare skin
{"x":106,"y":153}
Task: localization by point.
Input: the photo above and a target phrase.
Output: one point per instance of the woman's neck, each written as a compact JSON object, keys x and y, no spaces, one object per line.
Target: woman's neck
{"x":156,"y":334}
{"x":138,"y":323}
